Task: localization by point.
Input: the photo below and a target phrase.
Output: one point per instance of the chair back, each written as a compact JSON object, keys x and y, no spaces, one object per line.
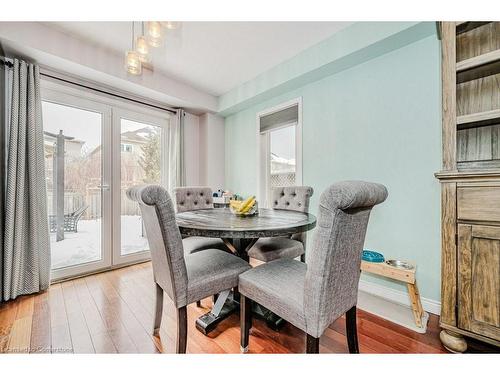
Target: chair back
{"x":334,"y":260}
{"x":295,"y":198}
{"x":191,"y":198}
{"x":165,"y":242}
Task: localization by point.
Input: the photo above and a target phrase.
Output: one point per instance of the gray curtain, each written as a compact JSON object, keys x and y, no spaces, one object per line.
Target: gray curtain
{"x":3,"y":127}
{"x":176,"y":170}
{"x":26,"y":252}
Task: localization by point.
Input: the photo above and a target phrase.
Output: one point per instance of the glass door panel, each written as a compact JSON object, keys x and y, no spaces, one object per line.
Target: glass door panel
{"x":141,"y":150}
{"x":74,"y":157}
{"x":140,"y":157}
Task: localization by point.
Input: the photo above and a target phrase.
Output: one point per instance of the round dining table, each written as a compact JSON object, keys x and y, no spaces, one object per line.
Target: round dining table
{"x":239,"y":234}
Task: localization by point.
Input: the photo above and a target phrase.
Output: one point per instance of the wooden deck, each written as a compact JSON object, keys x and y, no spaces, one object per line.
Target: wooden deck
{"x":112,"y":312}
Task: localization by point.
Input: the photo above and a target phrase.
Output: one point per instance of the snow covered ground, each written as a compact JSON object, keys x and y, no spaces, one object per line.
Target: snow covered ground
{"x":85,"y":246}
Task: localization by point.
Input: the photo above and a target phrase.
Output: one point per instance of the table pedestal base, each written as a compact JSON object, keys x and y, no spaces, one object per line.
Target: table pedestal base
{"x":272,"y":320}
{"x":209,"y":321}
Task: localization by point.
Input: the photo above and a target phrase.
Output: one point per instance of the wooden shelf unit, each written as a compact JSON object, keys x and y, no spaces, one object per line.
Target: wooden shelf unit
{"x":479,"y":66}
{"x":476,"y":120}
{"x":470,"y":183}
{"x":463,"y":27}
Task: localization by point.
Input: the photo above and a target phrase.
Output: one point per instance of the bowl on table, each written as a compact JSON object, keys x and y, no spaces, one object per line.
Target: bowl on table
{"x":248,"y":207}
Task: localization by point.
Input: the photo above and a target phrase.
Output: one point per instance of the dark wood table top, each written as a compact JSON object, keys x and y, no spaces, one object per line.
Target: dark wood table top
{"x":221,"y":223}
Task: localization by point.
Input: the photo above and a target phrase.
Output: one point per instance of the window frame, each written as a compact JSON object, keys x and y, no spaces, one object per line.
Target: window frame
{"x":263,"y":150}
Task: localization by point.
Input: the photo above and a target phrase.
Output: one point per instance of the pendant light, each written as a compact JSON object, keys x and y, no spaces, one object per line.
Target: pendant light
{"x":171,"y":25}
{"x":154,"y":33}
{"x":142,"y":47}
{"x":133,"y":64}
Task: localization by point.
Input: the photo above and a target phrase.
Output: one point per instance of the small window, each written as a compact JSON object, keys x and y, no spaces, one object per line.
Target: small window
{"x":282,"y":165}
{"x":126,"y":147}
{"x":280,"y":148}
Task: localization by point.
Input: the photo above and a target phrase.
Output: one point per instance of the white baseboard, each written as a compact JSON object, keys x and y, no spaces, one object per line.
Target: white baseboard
{"x":397,"y":296}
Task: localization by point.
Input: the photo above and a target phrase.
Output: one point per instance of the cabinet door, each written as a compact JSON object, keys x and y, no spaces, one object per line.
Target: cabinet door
{"x":479,"y":279}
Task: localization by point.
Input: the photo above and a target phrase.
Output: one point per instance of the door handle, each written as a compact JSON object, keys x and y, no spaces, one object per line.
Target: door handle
{"x":103,"y":187}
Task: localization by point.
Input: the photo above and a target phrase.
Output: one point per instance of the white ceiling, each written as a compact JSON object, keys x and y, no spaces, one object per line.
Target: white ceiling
{"x":213,"y":56}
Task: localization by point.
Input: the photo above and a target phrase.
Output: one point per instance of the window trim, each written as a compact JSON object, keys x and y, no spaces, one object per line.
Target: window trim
{"x":263,"y":144}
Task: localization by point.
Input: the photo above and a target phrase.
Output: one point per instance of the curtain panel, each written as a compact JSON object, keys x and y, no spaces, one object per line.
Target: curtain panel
{"x":26,"y":253}
{"x":176,"y":170}
{"x":3,"y":131}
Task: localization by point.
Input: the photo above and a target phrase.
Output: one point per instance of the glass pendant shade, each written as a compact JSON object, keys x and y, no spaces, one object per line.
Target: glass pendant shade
{"x":171,"y":25}
{"x":133,"y":63}
{"x":142,"y":49}
{"x":154,"y":33}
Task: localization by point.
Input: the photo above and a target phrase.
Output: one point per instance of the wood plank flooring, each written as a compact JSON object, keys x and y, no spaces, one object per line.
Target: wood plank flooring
{"x":112,"y":312}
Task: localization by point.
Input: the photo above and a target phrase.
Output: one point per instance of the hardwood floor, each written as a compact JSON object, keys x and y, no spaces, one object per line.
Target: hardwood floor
{"x":112,"y":312}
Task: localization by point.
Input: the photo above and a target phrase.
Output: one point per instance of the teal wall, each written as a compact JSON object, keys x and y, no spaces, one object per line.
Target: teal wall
{"x":351,"y":46}
{"x":377,"y":121}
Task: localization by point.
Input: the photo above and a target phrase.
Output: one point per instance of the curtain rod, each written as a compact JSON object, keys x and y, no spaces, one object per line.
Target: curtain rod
{"x":107,"y":93}
{"x":8,"y":64}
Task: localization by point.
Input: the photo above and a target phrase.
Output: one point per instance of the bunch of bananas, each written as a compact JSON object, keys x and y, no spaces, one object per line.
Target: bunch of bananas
{"x":243,"y":207}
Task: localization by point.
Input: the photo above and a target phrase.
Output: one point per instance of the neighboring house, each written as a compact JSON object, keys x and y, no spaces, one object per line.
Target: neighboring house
{"x":131,"y":147}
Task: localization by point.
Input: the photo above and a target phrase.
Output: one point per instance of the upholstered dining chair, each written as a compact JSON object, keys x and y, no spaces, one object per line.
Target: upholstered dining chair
{"x":191,"y":198}
{"x":313,"y":295}
{"x":295,"y":198}
{"x":184,"y":278}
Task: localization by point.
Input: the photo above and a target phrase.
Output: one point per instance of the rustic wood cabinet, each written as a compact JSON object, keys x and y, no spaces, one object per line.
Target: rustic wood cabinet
{"x":479,"y":279}
{"x":470,"y":183}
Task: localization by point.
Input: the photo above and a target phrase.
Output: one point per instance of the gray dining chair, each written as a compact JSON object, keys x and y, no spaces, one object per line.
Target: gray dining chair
{"x":185,"y":278}
{"x":314,"y":294}
{"x":191,"y":198}
{"x":295,"y":198}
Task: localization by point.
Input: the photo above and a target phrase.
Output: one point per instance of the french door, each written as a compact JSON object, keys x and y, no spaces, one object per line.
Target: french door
{"x":138,"y":155}
{"x":95,"y":149}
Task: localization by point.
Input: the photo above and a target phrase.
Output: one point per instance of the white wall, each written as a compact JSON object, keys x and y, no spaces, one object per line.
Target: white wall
{"x":204,"y":150}
{"x":212,"y":151}
{"x":192,"y":149}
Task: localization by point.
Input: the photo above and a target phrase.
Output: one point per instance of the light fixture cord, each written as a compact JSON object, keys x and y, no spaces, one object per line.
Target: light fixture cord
{"x":133,"y":34}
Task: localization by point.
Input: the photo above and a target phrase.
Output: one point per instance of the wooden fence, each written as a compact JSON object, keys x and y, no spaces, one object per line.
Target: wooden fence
{"x":74,"y":200}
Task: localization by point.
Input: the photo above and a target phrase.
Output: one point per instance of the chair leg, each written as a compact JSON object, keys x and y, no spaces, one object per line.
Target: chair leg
{"x":312,"y":345}
{"x":180,"y":347}
{"x":351,"y":330}
{"x":245,"y":321}
{"x":158,"y":310}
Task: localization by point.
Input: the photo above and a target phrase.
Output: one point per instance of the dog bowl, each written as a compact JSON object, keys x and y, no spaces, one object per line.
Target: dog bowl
{"x":399,"y":264}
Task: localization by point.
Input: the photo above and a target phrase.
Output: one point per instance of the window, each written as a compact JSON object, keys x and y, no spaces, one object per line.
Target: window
{"x":282,"y":163}
{"x":280,"y":151}
{"x":126,"y":147}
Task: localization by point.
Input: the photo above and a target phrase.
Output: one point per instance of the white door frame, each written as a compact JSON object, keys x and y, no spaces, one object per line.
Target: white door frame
{"x":79,"y":102}
{"x":68,"y":94}
{"x":263,"y":145}
{"x":148,"y":119}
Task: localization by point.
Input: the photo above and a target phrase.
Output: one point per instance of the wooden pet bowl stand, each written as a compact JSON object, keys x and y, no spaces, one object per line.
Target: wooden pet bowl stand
{"x":406,"y":276}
